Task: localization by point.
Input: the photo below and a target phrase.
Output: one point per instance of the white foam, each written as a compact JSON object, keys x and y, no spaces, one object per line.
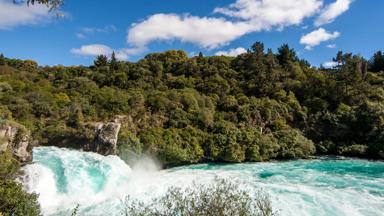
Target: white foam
{"x":294,"y":190}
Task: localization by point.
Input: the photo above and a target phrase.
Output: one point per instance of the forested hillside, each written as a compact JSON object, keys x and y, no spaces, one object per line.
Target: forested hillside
{"x":255,"y":107}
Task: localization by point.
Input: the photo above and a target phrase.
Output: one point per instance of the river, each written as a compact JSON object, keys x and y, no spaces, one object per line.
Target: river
{"x":64,"y":178}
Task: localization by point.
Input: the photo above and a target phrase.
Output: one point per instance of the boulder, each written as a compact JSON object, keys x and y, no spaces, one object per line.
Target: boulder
{"x":17,"y":139}
{"x":105,"y":142}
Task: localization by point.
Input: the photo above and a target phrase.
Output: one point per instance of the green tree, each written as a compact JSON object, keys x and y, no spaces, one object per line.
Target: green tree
{"x":13,"y":200}
{"x":113,"y":62}
{"x":2,"y":60}
{"x":376,"y":62}
{"x":258,"y":49}
{"x":286,"y":55}
{"x":101,"y":61}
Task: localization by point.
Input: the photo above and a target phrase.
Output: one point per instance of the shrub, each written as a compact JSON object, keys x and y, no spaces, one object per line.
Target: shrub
{"x":293,"y":144}
{"x":174,"y":146}
{"x":221,"y":198}
{"x":13,"y":200}
{"x":354,"y":150}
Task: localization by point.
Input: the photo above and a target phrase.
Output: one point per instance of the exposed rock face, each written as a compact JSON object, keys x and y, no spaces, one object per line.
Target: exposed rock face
{"x":105,"y":142}
{"x":17,"y":139}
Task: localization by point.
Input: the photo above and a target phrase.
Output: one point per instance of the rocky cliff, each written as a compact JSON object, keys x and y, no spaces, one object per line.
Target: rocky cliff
{"x":15,"y":138}
{"x":102,"y":139}
{"x":105,"y":142}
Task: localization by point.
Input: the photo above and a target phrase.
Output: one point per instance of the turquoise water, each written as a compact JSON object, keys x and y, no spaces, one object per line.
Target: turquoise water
{"x":65,"y":178}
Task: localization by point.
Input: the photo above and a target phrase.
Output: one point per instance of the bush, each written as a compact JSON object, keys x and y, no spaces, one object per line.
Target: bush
{"x":293,"y":144}
{"x":13,"y":200}
{"x":129,"y":147}
{"x":354,"y":150}
{"x":222,"y":198}
{"x":174,"y":146}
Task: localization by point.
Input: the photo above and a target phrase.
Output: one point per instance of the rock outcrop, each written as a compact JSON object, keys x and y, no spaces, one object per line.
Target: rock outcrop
{"x":15,"y":138}
{"x":105,"y":142}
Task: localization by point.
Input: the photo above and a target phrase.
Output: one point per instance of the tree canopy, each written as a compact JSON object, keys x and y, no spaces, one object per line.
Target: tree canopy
{"x":257,"y":106}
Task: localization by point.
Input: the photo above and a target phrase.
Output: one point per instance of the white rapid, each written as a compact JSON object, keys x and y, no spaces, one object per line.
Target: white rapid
{"x":64,"y":178}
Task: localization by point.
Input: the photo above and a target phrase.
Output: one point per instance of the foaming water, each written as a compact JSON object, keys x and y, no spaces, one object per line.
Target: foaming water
{"x":65,"y":178}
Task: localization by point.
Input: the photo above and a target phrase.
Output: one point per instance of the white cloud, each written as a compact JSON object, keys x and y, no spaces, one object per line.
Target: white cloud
{"x":203,"y":31}
{"x":331,"y":46}
{"x":316,"y":37}
{"x":93,"y":50}
{"x":237,"y":19}
{"x":105,"y":29}
{"x":213,"y":32}
{"x":16,"y":14}
{"x":124,"y":54}
{"x":330,"y":64}
{"x":266,"y":14}
{"x":332,"y":11}
{"x":86,"y":31}
{"x":231,"y":52}
{"x":100,"y":49}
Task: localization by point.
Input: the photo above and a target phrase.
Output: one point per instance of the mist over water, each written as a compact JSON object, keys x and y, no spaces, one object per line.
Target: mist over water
{"x":65,"y":178}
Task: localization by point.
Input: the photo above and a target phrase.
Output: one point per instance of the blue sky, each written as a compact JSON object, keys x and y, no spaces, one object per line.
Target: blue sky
{"x":317,"y":29}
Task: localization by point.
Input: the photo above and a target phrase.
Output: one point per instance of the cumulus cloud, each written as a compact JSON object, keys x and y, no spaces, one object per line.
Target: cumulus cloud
{"x":266,"y":14}
{"x":213,"y":32}
{"x":93,"y":50}
{"x":234,"y":21}
{"x":16,"y":14}
{"x":101,"y":49}
{"x":317,"y":37}
{"x":232,"y":52}
{"x":203,"y":31}
{"x":331,"y":46}
{"x":330,"y":64}
{"x":332,"y":11}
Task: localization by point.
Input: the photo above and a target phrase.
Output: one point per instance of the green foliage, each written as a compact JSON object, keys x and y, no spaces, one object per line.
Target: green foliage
{"x":9,"y":166}
{"x":286,"y":55}
{"x":13,"y":200}
{"x":293,"y":145}
{"x":174,"y":146}
{"x":222,"y":198}
{"x":101,"y":61}
{"x":257,"y":106}
{"x":2,"y":60}
{"x":74,"y":213}
{"x":376,"y":62}
{"x":129,"y":146}
{"x":355,"y":150}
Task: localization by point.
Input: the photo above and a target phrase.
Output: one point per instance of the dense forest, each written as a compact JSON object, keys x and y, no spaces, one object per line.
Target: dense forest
{"x":257,"y":106}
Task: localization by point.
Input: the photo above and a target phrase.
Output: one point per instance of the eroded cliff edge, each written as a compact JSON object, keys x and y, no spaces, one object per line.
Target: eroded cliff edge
{"x":102,"y":139}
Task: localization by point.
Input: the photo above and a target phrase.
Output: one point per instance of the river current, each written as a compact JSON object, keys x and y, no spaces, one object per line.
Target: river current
{"x":66,"y":178}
